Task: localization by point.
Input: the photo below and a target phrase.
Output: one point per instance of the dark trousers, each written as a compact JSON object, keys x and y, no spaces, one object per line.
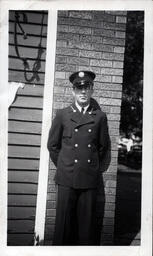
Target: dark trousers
{"x":75,"y":216}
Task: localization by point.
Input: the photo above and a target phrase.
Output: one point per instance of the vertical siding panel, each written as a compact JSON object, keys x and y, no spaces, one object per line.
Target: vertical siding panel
{"x":25,"y":118}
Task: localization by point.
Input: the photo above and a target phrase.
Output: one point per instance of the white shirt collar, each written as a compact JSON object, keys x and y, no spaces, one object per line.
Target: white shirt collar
{"x":80,"y":108}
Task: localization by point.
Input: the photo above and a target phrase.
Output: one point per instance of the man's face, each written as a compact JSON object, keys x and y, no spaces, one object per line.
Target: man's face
{"x":82,"y":94}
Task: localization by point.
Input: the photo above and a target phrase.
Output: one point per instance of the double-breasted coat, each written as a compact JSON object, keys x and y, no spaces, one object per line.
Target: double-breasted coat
{"x":77,"y":144}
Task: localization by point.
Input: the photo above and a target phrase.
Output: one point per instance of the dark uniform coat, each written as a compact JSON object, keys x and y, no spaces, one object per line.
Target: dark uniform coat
{"x":77,"y":144}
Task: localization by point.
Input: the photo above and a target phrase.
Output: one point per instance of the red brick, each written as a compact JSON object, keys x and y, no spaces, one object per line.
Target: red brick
{"x":62,"y":28}
{"x":103,"y":78}
{"x":110,"y":109}
{"x":114,"y":138}
{"x":68,"y":91}
{"x":58,"y":105}
{"x":51,"y":165}
{"x":66,"y":104}
{"x":109,"y":221}
{"x":113,"y":117}
{"x":50,"y":221}
{"x":109,"y":214}
{"x":60,"y":75}
{"x":51,"y":212}
{"x":75,"y":22}
{"x":67,"y":51}
{"x":63,"y":13}
{"x":106,"y":239}
{"x":113,"y":159}
{"x":51,"y":188}
{"x":51,"y":196}
{"x":120,"y":34}
{"x":48,"y":238}
{"x":78,"y":61}
{"x":65,"y":67}
{"x":111,"y":71}
{"x":113,"y":56}
{"x":81,"y":14}
{"x":90,"y":54}
{"x":51,"y":204}
{"x":119,"y":49}
{"x":110,"y":102}
{"x":99,"y":15}
{"x":123,"y":13}
{"x":61,"y":59}
{"x":67,"y":37}
{"x":113,"y":41}
{"x":52,"y":171}
{"x":112,"y":170}
{"x":101,"y":63}
{"x":111,"y":183}
{"x":113,"y":154}
{"x":117,"y":64}
{"x":114,"y":26}
{"x":108,"y":229}
{"x":51,"y":180}
{"x":61,"y":43}
{"x":90,"y":38}
{"x":113,"y":146}
{"x":109,"y":86}
{"x":114,"y":132}
{"x":103,"y":48}
{"x":117,"y":79}
{"x":96,"y":70}
{"x":79,"y":45}
{"x":49,"y":229}
{"x":60,"y":98}
{"x":103,"y":32}
{"x":108,"y":176}
{"x":62,"y":83}
{"x":108,"y":94}
{"x":110,"y":191}
{"x":120,"y":19}
{"x":79,"y":30}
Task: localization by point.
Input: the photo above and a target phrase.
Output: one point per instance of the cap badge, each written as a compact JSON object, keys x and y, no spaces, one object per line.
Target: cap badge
{"x":81,"y":74}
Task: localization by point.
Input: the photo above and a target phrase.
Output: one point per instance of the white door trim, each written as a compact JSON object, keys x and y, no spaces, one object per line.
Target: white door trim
{"x":46,"y":122}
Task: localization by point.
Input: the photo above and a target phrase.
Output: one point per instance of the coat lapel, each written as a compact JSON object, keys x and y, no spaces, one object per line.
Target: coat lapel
{"x":79,"y":119}
{"x":74,"y":114}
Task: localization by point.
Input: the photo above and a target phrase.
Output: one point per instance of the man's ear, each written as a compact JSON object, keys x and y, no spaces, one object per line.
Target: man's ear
{"x":73,"y":91}
{"x":92,"y":90}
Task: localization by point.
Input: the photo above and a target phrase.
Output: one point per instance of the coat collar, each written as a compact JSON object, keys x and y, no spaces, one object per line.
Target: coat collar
{"x":79,"y":119}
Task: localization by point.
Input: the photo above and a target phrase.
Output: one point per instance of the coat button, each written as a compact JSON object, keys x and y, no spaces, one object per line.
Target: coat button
{"x":76,"y":130}
{"x":76,"y":145}
{"x":76,"y":160}
{"x":89,"y":145}
{"x":89,"y":161}
{"x":89,"y":130}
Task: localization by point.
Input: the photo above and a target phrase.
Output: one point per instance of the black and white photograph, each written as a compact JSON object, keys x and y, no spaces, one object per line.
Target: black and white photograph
{"x":76,"y":128}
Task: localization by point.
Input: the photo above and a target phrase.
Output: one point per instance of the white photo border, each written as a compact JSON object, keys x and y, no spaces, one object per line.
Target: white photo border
{"x":145,"y":249}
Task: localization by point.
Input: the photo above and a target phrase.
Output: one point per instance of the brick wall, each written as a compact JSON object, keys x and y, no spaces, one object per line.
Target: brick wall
{"x":91,"y":40}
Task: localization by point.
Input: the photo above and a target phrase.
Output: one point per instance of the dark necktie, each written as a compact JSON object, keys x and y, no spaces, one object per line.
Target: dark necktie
{"x":82,"y":110}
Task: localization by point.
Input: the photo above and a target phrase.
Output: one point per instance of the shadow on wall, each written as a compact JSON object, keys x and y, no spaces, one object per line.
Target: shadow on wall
{"x":128,"y":209}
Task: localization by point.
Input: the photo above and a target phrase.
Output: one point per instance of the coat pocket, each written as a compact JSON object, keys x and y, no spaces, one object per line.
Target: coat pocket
{"x":67,"y":133}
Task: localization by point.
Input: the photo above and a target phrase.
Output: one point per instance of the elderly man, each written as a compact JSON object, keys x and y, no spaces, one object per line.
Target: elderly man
{"x":78,"y":141}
